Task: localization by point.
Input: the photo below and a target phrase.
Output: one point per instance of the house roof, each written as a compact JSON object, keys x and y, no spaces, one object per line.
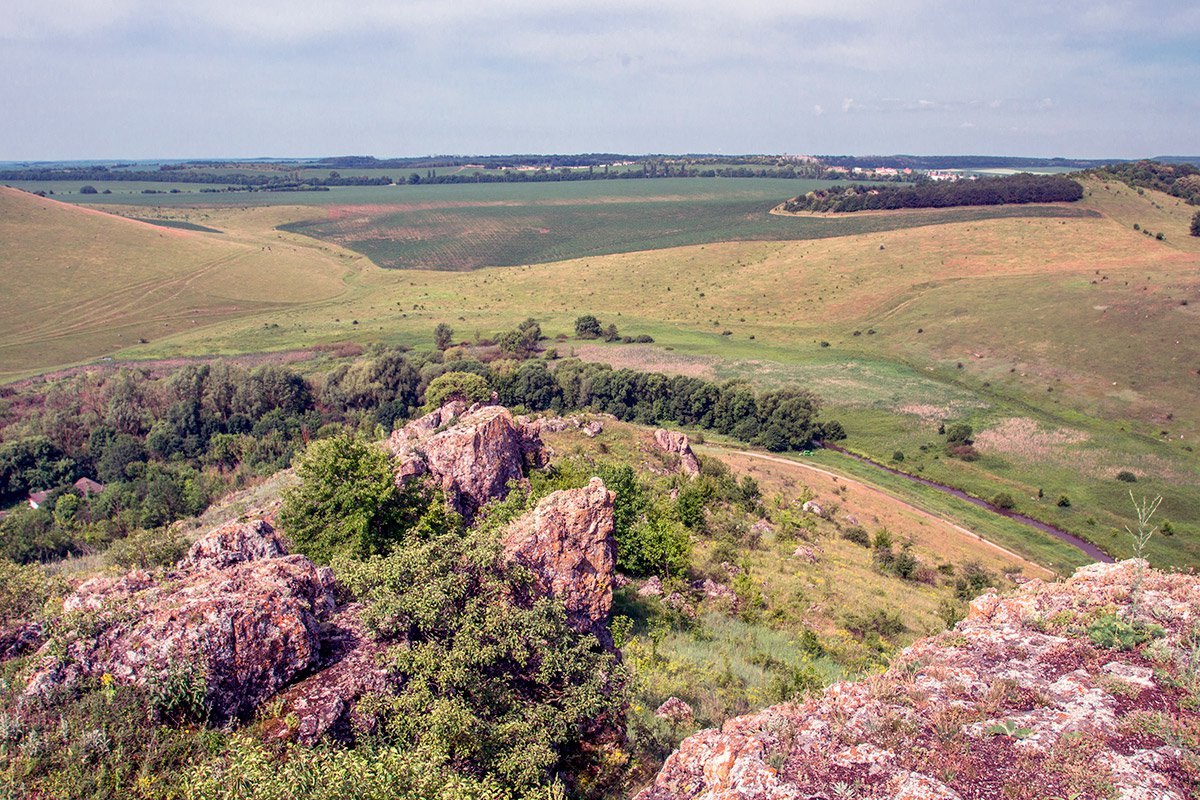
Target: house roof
{"x":89,"y":486}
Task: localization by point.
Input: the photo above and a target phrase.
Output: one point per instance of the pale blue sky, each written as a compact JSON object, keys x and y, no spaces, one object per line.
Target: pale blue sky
{"x":238,"y":78}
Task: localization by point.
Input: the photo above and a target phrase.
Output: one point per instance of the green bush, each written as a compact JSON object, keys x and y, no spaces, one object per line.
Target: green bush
{"x":1125,"y":476}
{"x":347,"y":502}
{"x":505,"y":690}
{"x":1004,"y":500}
{"x":658,"y":546}
{"x":146,"y":549}
{"x":857,"y":534}
{"x":465,"y":386}
{"x":24,"y":590}
{"x":588,"y":327}
{"x":247,"y":769}
{"x":1064,"y":501}
{"x":974,"y":579}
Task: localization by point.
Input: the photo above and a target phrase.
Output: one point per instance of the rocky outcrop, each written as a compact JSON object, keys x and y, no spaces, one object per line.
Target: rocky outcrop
{"x":243,"y":623}
{"x":1060,"y":690}
{"x":678,"y":444}
{"x":350,"y":665}
{"x":232,"y":544}
{"x":567,"y":543}
{"x":471,"y":455}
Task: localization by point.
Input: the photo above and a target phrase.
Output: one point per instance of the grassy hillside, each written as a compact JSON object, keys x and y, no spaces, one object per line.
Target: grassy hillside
{"x":81,"y":283}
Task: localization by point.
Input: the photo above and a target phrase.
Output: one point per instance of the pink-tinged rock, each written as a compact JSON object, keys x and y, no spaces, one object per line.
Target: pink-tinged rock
{"x":678,"y":444}
{"x":1016,"y":688}
{"x":674,"y":710}
{"x":567,"y":543}
{"x":350,"y":666}
{"x":474,"y":459}
{"x":232,"y":544}
{"x":652,"y":587}
{"x":250,"y":628}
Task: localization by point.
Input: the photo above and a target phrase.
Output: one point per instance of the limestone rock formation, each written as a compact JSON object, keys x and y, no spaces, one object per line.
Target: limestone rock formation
{"x":232,"y":544}
{"x":349,"y":667}
{"x":567,"y":542}
{"x":471,"y":455}
{"x":1034,"y":695}
{"x":246,"y":628}
{"x":677,"y":443}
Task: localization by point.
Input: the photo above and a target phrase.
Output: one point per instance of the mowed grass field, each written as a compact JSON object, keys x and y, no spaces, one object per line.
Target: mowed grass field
{"x":1064,"y":341}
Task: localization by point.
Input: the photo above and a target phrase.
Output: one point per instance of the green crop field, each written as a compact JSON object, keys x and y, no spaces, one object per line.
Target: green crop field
{"x":449,"y":232}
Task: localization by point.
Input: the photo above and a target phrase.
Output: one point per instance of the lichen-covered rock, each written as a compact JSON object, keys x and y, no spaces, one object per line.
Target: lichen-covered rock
{"x":232,"y":544}
{"x":567,"y":543}
{"x":350,"y":665}
{"x":1019,"y":699}
{"x":678,"y":444}
{"x":472,"y":456}
{"x":249,"y":629}
{"x":674,"y":710}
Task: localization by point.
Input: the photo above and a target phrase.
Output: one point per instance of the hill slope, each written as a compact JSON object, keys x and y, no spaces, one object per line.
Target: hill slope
{"x":80,"y":283}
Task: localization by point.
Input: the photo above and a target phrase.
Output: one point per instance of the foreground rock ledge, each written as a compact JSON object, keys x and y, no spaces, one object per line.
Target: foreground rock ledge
{"x":1018,"y":700}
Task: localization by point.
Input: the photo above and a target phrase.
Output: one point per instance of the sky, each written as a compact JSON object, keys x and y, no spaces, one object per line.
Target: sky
{"x":123,"y":79}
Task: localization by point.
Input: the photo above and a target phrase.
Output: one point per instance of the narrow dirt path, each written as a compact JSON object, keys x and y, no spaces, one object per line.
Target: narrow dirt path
{"x":1037,"y":568}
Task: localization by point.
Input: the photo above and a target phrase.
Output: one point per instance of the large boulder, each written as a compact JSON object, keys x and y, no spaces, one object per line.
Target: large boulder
{"x":677,"y":444}
{"x":1030,"y":696}
{"x":246,"y":628}
{"x":567,"y":543}
{"x":350,"y":666}
{"x":232,"y":544}
{"x":474,"y":459}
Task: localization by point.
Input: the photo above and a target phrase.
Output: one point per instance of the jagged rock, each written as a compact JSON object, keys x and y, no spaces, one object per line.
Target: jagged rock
{"x":652,"y":587}
{"x":762,"y":528}
{"x":676,"y":601}
{"x":1022,"y":663}
{"x":349,"y":667}
{"x":250,"y":628}
{"x":474,"y":459}
{"x":677,"y":443}
{"x":232,"y":544}
{"x":718,"y":591}
{"x":674,"y":710}
{"x":567,"y":542}
{"x":812,"y":507}
{"x":592,"y":429}
{"x":621,"y":580}
{"x":806,"y":552}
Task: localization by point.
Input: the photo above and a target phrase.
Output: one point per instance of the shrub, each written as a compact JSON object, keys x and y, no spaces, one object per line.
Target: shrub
{"x":1196,"y":224}
{"x":347,"y":502}
{"x":974,"y":579}
{"x":1125,"y":476}
{"x":504,"y":690}
{"x":658,"y":546}
{"x":898,"y":456}
{"x":1064,"y":501}
{"x":1004,"y":500}
{"x":24,"y":590}
{"x":588,"y":327}
{"x":443,"y":335}
{"x":248,"y":768}
{"x":958,"y":434}
{"x":857,"y":534}
{"x":146,"y":549}
{"x":465,"y":386}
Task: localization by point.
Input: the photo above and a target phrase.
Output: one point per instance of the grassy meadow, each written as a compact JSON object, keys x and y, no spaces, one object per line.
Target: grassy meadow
{"x":1069,"y":343}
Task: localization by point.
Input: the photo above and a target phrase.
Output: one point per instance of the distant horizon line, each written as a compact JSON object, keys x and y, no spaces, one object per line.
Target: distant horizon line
{"x":595,"y":153}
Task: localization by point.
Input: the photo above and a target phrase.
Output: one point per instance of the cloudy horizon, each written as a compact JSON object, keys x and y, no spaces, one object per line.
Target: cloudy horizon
{"x":137,"y":79}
